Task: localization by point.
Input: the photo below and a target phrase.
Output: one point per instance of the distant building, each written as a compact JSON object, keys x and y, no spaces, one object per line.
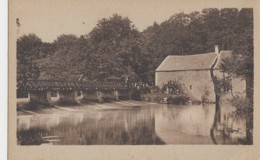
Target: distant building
{"x":193,"y":72}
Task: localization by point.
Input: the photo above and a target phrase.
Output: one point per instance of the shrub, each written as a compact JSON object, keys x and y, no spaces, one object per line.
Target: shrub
{"x":155,"y":89}
{"x":242,"y":104}
{"x":178,"y":100}
{"x":136,"y":95}
{"x":174,"y":87}
{"x":164,"y":98}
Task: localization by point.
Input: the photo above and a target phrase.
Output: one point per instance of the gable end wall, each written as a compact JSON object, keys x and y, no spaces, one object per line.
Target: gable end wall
{"x":196,"y":82}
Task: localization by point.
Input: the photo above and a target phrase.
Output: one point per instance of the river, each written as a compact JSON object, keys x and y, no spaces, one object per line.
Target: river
{"x":123,"y":123}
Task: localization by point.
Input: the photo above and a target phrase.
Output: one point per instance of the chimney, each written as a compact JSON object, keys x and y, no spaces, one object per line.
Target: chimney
{"x":216,"y":49}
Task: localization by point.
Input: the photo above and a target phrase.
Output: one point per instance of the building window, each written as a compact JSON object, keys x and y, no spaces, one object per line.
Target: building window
{"x":190,"y":87}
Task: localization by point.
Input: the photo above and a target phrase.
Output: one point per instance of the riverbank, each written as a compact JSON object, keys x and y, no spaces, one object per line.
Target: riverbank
{"x":56,"y":109}
{"x":165,"y":98}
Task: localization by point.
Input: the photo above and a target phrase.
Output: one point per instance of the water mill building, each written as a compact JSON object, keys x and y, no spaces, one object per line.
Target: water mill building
{"x":193,"y":72}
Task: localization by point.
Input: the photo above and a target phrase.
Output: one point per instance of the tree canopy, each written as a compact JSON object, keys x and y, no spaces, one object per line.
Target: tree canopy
{"x":115,"y":50}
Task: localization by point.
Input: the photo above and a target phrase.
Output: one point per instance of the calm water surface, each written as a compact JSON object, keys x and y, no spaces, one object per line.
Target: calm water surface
{"x":127,"y":122}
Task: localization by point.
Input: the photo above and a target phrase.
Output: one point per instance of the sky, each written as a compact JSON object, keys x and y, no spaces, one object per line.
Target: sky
{"x":51,"y":18}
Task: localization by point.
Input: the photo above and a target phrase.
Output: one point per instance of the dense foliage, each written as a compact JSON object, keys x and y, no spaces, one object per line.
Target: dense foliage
{"x":116,"y":51}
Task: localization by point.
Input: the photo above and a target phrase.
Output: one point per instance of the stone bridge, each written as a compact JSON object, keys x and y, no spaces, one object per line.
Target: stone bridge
{"x":69,"y":92}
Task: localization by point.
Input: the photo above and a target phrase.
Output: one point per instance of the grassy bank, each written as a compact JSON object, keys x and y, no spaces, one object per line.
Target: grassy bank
{"x":165,"y":98}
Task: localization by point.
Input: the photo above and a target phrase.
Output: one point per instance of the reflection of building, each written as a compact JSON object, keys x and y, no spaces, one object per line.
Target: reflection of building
{"x":193,"y":72}
{"x":185,"y":124}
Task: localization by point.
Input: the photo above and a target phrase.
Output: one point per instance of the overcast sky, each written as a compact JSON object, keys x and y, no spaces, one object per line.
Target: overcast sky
{"x":50,"y":18}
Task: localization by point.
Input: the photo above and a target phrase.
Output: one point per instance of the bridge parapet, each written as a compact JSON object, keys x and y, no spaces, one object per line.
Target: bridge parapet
{"x":39,"y":91}
{"x":38,"y":85}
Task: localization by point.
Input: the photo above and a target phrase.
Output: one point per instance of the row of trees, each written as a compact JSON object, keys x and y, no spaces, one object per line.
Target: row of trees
{"x":115,"y":50}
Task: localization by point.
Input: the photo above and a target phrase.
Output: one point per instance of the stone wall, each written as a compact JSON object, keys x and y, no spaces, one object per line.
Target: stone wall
{"x":196,"y":82}
{"x":109,"y":95}
{"x":124,"y":95}
{"x":39,"y":97}
{"x":95,"y":96}
{"x":68,"y":97}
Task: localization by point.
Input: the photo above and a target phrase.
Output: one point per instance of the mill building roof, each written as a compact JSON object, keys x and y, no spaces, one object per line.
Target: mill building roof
{"x":192,"y":62}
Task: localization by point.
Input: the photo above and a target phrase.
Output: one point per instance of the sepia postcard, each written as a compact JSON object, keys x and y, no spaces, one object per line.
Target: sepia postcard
{"x":129,"y":79}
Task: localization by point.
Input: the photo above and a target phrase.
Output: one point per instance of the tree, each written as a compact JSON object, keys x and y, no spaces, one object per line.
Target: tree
{"x":63,"y":62}
{"x":241,"y":63}
{"x":28,"y":51}
{"x":114,"y":47}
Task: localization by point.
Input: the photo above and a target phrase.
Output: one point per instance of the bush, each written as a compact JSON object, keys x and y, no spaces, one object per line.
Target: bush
{"x":155,"y":89}
{"x":180,"y":99}
{"x":144,"y":90}
{"x":165,"y":98}
{"x":174,"y":87}
{"x":136,"y":95}
{"x":242,"y":104}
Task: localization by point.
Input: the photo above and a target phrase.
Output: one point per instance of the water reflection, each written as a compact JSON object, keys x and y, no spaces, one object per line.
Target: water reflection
{"x":185,"y":124}
{"x":148,"y":124}
{"x":230,"y":128}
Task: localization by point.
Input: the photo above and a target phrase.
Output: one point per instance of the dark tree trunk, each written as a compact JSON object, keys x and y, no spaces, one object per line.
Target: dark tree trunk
{"x":217,"y":106}
{"x":217,"y":118}
{"x":249,"y":128}
{"x":250,"y":89}
{"x":249,"y":109}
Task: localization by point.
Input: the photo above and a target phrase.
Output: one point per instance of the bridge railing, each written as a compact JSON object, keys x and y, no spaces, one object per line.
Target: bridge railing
{"x":69,"y":85}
